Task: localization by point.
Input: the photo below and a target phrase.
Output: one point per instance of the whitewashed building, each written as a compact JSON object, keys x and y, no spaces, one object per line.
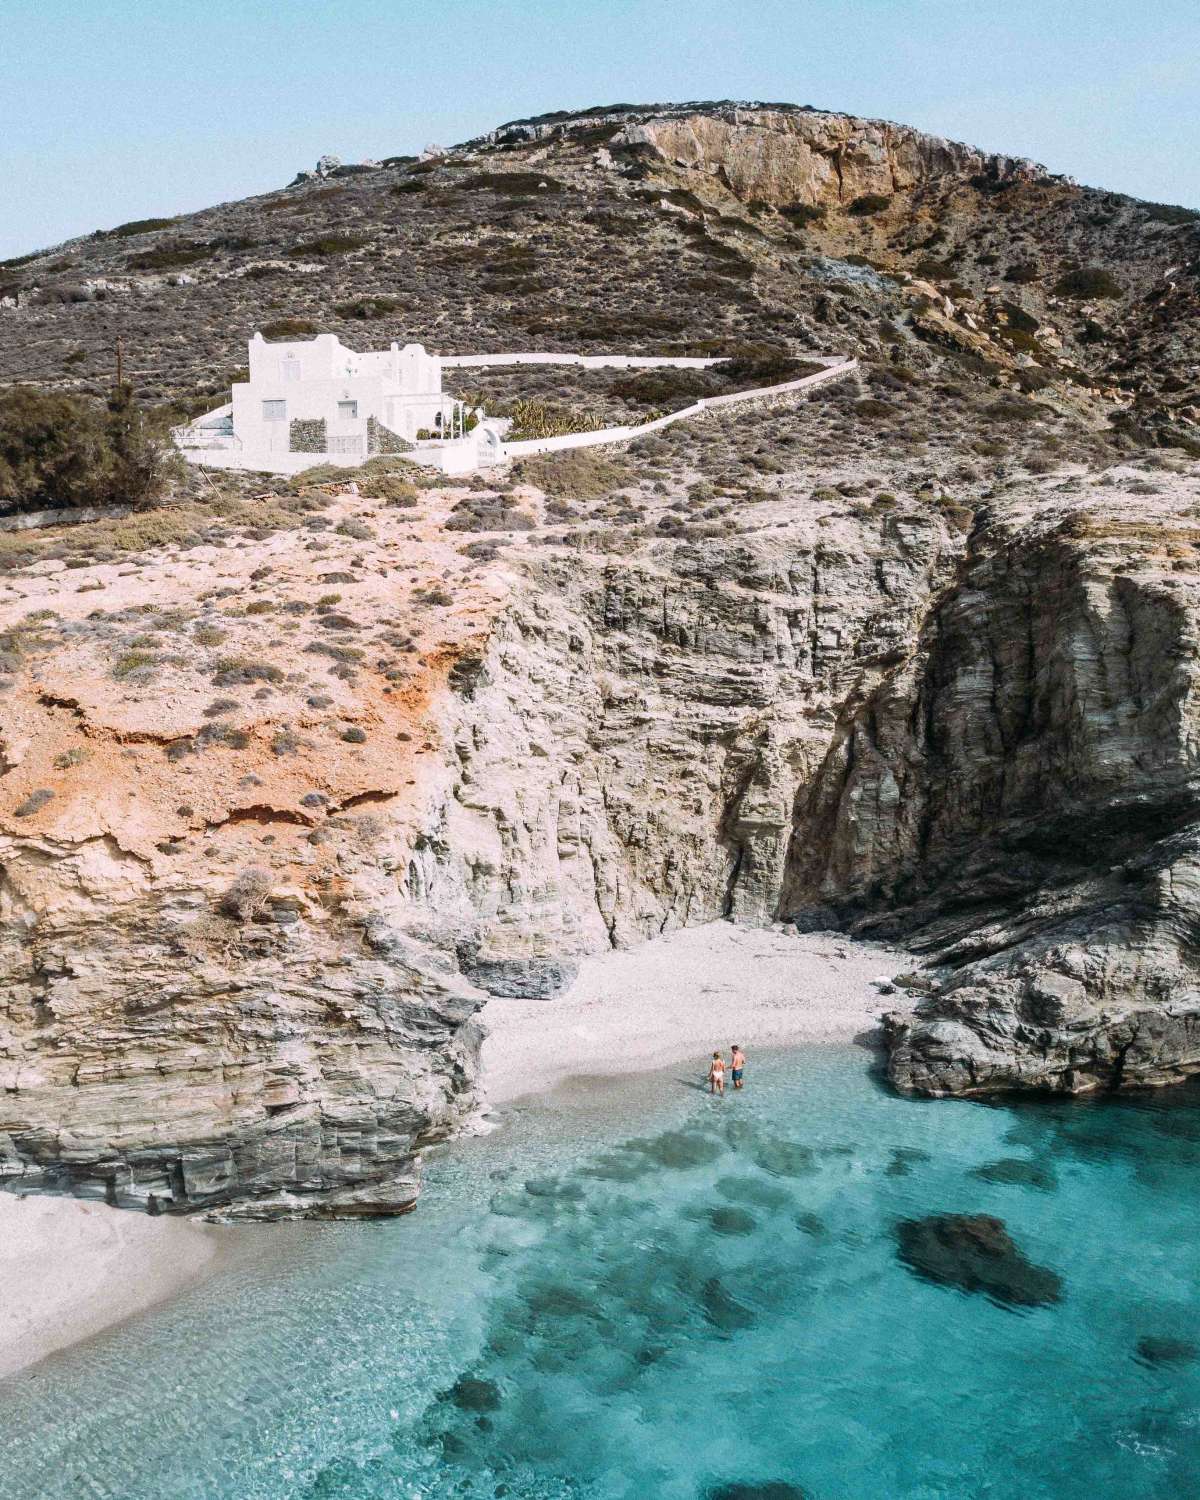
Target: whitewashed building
{"x":316,"y":402}
{"x":313,"y":400}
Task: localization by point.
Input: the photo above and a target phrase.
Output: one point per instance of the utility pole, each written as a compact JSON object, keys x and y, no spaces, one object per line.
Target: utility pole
{"x":120,"y":363}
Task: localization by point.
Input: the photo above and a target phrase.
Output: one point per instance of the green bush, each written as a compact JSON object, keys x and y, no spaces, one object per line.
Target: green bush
{"x":135,"y":226}
{"x":579,"y":474}
{"x":1089,"y":283}
{"x":1023,"y":273}
{"x":869,"y":203}
{"x":512,"y":184}
{"x":288,"y":328}
{"x":1161,"y":213}
{"x":59,"y":452}
{"x":754,"y":365}
{"x":165,"y":257}
{"x":366,"y":308}
{"x":328,"y":244}
{"x":803,"y":213}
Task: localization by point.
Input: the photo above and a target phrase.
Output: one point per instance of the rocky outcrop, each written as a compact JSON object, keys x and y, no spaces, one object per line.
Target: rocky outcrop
{"x":776,"y":153}
{"x":1020,"y":803}
{"x":781,"y":157}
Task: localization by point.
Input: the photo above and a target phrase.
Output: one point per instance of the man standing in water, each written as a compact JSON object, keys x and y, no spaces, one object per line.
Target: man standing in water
{"x":716,"y":1074}
{"x":737,"y":1062}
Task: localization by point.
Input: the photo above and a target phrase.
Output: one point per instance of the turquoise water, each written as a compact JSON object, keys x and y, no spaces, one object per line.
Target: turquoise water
{"x":634,"y":1290}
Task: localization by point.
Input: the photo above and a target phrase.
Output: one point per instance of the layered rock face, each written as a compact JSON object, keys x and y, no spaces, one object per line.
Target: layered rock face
{"x":246,"y":928}
{"x":205,"y":1001}
{"x":812,"y":157}
{"x":1020,"y":803}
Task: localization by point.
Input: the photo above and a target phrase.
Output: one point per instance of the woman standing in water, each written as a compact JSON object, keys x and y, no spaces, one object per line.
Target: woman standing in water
{"x":716,"y":1074}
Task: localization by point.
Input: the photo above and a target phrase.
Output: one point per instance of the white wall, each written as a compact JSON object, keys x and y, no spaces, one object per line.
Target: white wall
{"x":705,"y":403}
{"x":588,"y":361}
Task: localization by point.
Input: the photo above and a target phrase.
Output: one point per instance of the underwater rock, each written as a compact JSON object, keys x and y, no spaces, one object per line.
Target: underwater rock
{"x":783,"y":1158}
{"x":772,"y":1490}
{"x":731,"y":1221}
{"x":554,"y":1187}
{"x":750,"y":1190}
{"x":812,"y":1224}
{"x":1155,"y":1350}
{"x":553,"y":1300}
{"x":618,"y":1166}
{"x":1019,"y":1171}
{"x":722,"y":1309}
{"x":678,"y":1149}
{"x":903,"y":1159}
{"x":469,"y":1393}
{"x":975,"y":1253}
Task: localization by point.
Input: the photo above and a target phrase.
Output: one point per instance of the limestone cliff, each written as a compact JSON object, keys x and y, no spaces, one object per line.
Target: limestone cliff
{"x":1020,"y":802}
{"x":812,"y":157}
{"x":257,"y":879}
{"x":276,"y":816}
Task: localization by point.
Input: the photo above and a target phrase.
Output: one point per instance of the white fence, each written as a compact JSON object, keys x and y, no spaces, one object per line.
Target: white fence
{"x":588,"y":361}
{"x":705,"y":403}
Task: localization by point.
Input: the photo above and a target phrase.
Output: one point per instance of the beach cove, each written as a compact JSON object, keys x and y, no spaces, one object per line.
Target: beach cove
{"x":632,"y":1288}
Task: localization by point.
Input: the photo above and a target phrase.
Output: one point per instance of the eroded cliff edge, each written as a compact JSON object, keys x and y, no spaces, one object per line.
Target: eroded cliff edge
{"x":278,"y":812}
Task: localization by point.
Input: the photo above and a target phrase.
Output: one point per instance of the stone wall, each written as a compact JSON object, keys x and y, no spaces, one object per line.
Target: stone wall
{"x":307,"y":435}
{"x":382,"y":440}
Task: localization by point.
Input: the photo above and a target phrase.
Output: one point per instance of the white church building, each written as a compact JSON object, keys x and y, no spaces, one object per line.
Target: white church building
{"x":315,"y":401}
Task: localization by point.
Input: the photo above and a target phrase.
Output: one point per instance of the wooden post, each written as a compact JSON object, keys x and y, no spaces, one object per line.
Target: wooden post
{"x":120,"y":362}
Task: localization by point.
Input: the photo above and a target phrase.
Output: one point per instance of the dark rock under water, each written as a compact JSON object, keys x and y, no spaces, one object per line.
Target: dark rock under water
{"x":975,"y":1253}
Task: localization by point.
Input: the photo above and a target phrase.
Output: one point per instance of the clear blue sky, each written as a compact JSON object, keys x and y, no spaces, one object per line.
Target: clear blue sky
{"x":117,"y":109}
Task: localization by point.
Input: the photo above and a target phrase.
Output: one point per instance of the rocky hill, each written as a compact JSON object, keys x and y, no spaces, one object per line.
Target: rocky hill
{"x":687,"y":227}
{"x":291,"y":777}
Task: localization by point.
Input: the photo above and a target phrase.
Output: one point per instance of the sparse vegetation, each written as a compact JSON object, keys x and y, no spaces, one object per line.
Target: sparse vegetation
{"x":327,"y":244}
{"x":33,"y":803}
{"x":169,"y":256}
{"x":133,"y":661}
{"x":237,"y":671}
{"x":366,"y":309}
{"x":133,"y":227}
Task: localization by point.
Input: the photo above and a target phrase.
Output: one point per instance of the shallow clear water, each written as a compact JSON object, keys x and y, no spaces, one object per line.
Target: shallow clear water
{"x":636,"y":1290}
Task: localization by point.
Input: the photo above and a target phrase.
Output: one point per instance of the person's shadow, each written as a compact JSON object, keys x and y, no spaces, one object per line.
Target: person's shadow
{"x":691,"y":1083}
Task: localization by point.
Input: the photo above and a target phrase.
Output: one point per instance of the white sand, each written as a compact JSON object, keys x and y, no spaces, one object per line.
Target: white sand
{"x":678,"y":998}
{"x":69,"y":1269}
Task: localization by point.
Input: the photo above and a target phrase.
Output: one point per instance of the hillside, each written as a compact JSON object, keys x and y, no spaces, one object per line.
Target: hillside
{"x":293,"y":773}
{"x":682,"y":228}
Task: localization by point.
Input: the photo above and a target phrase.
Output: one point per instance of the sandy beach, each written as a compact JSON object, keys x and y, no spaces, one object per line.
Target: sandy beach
{"x":70,"y":1268}
{"x":676,"y":999}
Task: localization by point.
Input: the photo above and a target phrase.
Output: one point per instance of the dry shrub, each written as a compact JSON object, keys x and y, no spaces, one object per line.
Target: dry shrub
{"x":581,"y":474}
{"x":247,"y":896}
